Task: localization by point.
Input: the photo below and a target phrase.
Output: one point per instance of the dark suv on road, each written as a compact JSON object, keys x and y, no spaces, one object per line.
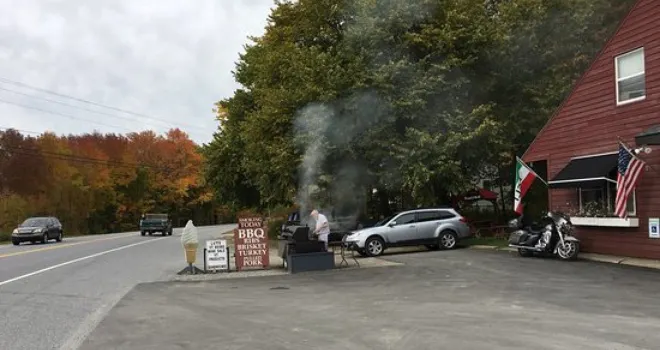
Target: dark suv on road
{"x":38,"y":229}
{"x":151,"y":223}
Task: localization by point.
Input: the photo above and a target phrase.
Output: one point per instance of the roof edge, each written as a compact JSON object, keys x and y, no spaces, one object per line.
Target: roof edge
{"x":583,"y":76}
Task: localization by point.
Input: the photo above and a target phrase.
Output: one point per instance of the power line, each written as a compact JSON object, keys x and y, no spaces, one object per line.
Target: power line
{"x":22,"y":131}
{"x":73,"y":157}
{"x":17,"y":83}
{"x":73,"y":106}
{"x":76,"y":160}
{"x":62,"y":114}
{"x":70,"y":157}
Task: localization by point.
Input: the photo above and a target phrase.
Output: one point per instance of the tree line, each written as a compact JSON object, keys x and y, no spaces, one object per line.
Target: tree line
{"x":392,"y":104}
{"x":99,"y":183}
{"x":362,"y":105}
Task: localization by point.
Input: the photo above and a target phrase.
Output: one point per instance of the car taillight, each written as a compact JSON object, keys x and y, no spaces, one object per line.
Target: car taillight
{"x":463,"y":220}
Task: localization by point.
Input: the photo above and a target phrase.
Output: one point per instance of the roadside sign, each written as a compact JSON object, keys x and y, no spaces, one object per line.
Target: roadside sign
{"x":251,"y":244}
{"x":654,"y":227}
{"x":217,"y":255}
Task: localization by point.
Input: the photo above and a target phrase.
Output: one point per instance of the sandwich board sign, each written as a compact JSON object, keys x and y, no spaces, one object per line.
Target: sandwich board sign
{"x":251,"y":244}
{"x":217,"y":255}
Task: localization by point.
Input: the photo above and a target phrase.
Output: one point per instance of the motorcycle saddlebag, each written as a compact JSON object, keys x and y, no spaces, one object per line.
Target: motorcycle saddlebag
{"x":518,"y":237}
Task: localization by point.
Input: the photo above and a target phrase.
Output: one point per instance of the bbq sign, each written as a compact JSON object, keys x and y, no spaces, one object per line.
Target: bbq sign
{"x":250,"y":244}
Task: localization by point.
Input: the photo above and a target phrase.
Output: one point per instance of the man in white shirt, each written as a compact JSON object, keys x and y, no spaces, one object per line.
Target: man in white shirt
{"x":322,"y":227}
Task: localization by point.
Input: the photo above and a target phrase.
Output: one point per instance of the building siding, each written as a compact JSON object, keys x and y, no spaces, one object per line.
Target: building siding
{"x":589,"y":122}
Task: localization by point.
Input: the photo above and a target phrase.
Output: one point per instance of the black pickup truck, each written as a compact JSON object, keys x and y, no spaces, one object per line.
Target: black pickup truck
{"x":151,"y":223}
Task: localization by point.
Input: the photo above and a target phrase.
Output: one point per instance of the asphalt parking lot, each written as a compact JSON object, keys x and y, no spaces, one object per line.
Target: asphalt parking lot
{"x":462,"y":299}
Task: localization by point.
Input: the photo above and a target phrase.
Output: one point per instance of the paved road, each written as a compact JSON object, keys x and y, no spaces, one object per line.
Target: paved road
{"x":53,"y":295}
{"x":463,"y":299}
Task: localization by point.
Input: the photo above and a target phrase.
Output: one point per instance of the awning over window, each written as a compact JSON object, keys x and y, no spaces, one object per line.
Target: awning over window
{"x":650,"y":136}
{"x":586,"y":172}
{"x":478,"y":194}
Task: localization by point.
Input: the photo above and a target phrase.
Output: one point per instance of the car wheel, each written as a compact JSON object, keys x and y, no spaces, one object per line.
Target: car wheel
{"x":44,"y":238}
{"x":447,"y":239}
{"x":151,"y":233}
{"x":169,"y":233}
{"x":143,"y":233}
{"x":59,"y":237}
{"x":374,"y":246}
{"x":15,"y":242}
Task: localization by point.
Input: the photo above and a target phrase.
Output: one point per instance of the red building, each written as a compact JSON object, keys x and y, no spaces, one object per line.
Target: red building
{"x":617,"y":98}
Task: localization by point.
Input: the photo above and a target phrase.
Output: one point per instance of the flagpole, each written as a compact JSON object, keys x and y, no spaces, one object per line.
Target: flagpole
{"x":628,"y":148}
{"x":530,"y":169}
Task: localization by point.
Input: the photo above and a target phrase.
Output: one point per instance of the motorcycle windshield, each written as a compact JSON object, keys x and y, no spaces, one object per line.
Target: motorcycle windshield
{"x":556,"y":216}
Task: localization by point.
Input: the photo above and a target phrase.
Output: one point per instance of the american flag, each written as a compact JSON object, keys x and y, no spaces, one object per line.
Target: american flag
{"x":628,"y":171}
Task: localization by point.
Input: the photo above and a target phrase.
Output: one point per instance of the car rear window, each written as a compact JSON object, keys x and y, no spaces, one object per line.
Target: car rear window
{"x":434,"y":215}
{"x":156,"y":216}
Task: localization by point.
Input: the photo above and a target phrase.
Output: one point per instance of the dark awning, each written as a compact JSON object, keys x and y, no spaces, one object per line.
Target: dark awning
{"x":586,"y":172}
{"x":650,"y":136}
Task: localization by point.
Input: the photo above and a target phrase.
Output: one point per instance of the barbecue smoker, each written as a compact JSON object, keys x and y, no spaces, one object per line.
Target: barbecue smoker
{"x":297,"y":241}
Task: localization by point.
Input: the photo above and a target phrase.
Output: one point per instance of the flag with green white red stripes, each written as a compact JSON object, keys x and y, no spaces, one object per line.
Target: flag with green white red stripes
{"x":524,"y":178}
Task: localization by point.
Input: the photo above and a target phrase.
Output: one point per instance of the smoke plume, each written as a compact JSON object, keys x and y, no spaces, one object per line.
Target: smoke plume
{"x":311,"y":124}
{"x":330,"y":176}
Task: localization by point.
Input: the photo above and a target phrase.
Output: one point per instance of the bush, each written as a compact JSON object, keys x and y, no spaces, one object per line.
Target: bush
{"x":275,"y":227}
{"x":225,"y":215}
{"x":247,"y":212}
{"x":474,"y":213}
{"x":282,"y":211}
{"x":5,"y":236}
{"x":14,"y":210}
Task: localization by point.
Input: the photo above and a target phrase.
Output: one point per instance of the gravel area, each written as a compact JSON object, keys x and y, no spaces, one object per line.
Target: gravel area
{"x":463,"y":299}
{"x":277,"y":269}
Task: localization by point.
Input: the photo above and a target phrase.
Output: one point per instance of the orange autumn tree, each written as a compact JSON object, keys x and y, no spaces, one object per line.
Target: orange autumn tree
{"x":98,"y":183}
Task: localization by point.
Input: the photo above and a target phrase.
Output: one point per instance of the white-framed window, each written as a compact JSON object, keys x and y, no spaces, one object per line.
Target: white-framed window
{"x":630,"y":77}
{"x":631,"y":206}
{"x":603,"y":198}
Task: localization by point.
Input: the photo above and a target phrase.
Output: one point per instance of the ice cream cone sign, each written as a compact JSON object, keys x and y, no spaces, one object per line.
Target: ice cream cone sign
{"x":190,"y":242}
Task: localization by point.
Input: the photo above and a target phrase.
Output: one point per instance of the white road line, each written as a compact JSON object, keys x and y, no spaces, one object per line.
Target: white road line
{"x":92,"y":320}
{"x":77,"y":260}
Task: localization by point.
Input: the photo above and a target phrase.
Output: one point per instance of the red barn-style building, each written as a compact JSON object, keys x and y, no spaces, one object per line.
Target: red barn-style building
{"x":618,"y":97}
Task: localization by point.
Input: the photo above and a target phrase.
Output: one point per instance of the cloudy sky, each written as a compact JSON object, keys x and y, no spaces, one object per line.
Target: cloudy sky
{"x":157,"y":64}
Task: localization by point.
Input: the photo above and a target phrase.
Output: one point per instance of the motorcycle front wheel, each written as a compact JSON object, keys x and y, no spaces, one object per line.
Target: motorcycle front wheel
{"x":569,"y":250}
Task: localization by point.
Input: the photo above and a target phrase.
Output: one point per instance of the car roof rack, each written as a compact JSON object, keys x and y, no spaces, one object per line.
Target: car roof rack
{"x":443,"y":206}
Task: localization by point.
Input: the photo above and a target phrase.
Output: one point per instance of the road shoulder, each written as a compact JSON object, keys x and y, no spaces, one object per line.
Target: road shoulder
{"x":480,"y":298}
{"x":611,"y":259}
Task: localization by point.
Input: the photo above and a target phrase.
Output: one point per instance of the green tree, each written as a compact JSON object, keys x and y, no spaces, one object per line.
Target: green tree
{"x":420,"y":99}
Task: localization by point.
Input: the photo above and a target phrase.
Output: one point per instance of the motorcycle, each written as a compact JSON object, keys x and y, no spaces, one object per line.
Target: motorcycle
{"x":554,"y":237}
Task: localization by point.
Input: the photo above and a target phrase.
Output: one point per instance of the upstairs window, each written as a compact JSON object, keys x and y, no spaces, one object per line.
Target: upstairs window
{"x":630,"y":77}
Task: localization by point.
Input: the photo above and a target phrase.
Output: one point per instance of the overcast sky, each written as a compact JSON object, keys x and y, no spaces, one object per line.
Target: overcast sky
{"x":164,"y":60}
